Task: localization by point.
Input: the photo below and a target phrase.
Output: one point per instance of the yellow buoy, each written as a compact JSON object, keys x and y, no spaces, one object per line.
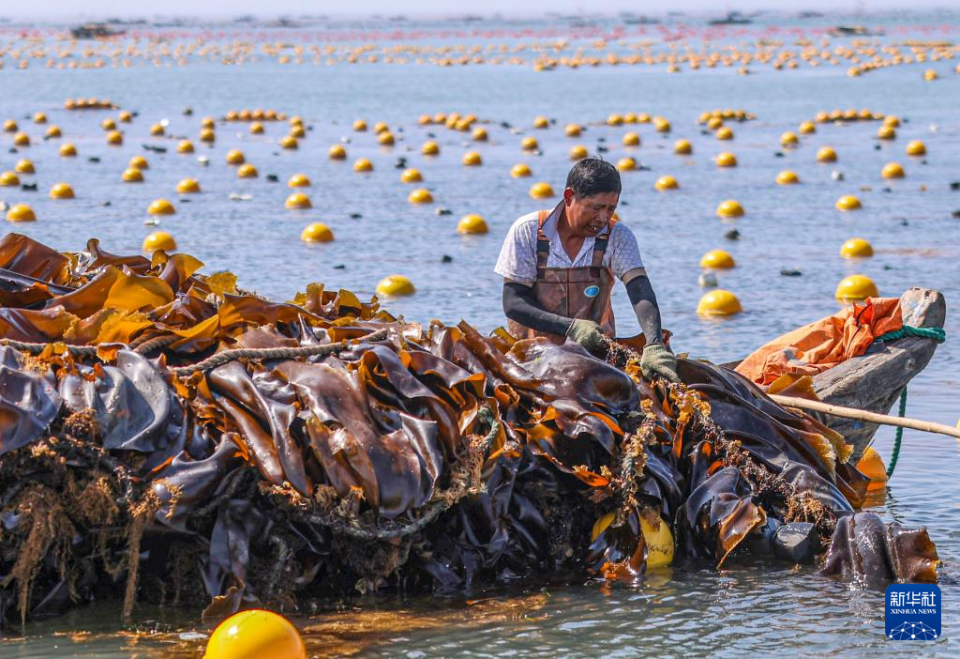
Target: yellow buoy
{"x":529,"y":144}
{"x":157,"y":130}
{"x":541,"y":123}
{"x":789,"y":139}
{"x":856,"y":288}
{"x":139,"y":162}
{"x":395,"y":285}
{"x":724,"y":133}
{"x":787,"y":177}
{"x":717,"y":259}
{"x":10,"y":126}
{"x":411,"y":176}
{"x":856,"y":248}
{"x":430,"y":148}
{"x":132,"y":175}
{"x":298,"y":201}
{"x":627,"y":164}
{"x":289,"y":142}
{"x":21,"y":213}
{"x":108,"y":124}
{"x":247,"y":170}
{"x":385,"y":138}
{"x":337,"y":152}
{"x":892,"y":170}
{"x":572,"y":130}
{"x":682,"y":147}
{"x":24,"y":166}
{"x":362,"y":165}
{"x":631,"y":139}
{"x":159,"y":240}
{"x":848,"y":203}
{"x":68,"y":150}
{"x":256,"y":128}
{"x":207,"y":136}
{"x":39,"y":118}
{"x":661,"y":125}
{"x":188,"y":186}
{"x":730,"y":208}
{"x":578,"y":152}
{"x":61,"y":191}
{"x":666,"y":183}
{"x":360,"y":125}
{"x":115,"y":138}
{"x":53,"y":132}
{"x":235,"y":157}
{"x":207,"y":122}
{"x":726,"y":159}
{"x":316,"y":233}
{"x":807,"y":128}
{"x":826,"y":154}
{"x":380,"y":127}
{"x":713,"y":123}
{"x":520,"y":170}
{"x":479,"y":134}
{"x":541,"y":191}
{"x":420,"y":196}
{"x":472,"y":224}
{"x":930,"y":74}
{"x":297,"y":131}
{"x":719,"y":302}
{"x":185,"y":146}
{"x":614,"y":120}
{"x":9,"y":180}
{"x":472,"y":159}
{"x":21,"y":139}
{"x":299,"y":181}
{"x":659,"y":542}
{"x":892,"y":120}
{"x":255,"y":634}
{"x":161,"y":207}
{"x":886,"y":133}
{"x":916,"y":148}
{"x":125,"y":116}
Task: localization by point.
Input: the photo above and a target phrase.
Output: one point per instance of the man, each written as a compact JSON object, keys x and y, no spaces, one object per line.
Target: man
{"x":559,"y":268}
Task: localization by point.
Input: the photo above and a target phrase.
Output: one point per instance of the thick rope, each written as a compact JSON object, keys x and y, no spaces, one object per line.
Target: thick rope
{"x":898,"y":437}
{"x":37,"y":348}
{"x":936,"y":333}
{"x":227,"y":356}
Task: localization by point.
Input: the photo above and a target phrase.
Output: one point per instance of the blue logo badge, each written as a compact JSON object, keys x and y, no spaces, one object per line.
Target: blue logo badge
{"x":591,"y":291}
{"x":913,"y":612}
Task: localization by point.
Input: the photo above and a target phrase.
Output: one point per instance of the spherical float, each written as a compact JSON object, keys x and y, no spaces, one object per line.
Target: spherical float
{"x":188,"y":186}
{"x":255,"y":634}
{"x":359,"y":125}
{"x":337,"y":152}
{"x":39,"y":118}
{"x":541,"y":191}
{"x":572,"y":130}
{"x":892,"y":170}
{"x":886,"y":133}
{"x":826,"y":154}
{"x":157,"y":130}
{"x":661,"y":125}
{"x":10,"y":126}
{"x":627,"y":164}
{"x":385,"y":138}
{"x":139,"y":162}
{"x":299,"y":181}
{"x":472,"y":159}
{"x":24,"y":166}
{"x":61,"y":191}
{"x":9,"y":180}
{"x":395,"y":285}
{"x":682,"y":147}
{"x":520,"y":170}
{"x":235,"y":157}
{"x":541,"y":123}
{"x":289,"y":142}
{"x":891,"y":120}
{"x":161,"y":207}
{"x":207,"y":136}
{"x":298,"y":201}
{"x":21,"y":213}
{"x":856,"y":248}
{"x":53,"y":132}
{"x":730,"y":208}
{"x":21,"y":139}
{"x":930,"y":74}
{"x":430,"y":148}
{"x":719,"y":302}
{"x":916,"y":148}
{"x":420,"y":196}
{"x":207,"y":122}
{"x":297,"y":131}
{"x":68,"y":150}
{"x":578,"y":152}
{"x":807,"y":128}
{"x":380,"y":127}
{"x":855,"y":288}
{"x":132,"y":175}
{"x":717,"y":259}
{"x":614,"y":120}
{"x":158,"y":240}
{"x":529,"y":144}
{"x":411,"y":176}
{"x":724,"y":133}
{"x":631,"y":139}
{"x":185,"y":146}
{"x":787,"y":177}
{"x":666,"y":183}
{"x":316,"y":233}
{"x":726,"y":159}
{"x":479,"y":134}
{"x":472,"y":224}
{"x":247,"y":170}
{"x":256,"y":128}
{"x":789,"y":139}
{"x":125,"y":116}
{"x":114,"y":138}
{"x":362,"y":165}
{"x":848,"y":203}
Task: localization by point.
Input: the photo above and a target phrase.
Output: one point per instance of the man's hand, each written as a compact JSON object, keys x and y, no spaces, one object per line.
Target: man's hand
{"x":586,"y":333}
{"x":658,"y":362}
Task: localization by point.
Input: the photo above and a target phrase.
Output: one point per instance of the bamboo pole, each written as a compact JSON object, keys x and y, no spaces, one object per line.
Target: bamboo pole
{"x":863,"y":415}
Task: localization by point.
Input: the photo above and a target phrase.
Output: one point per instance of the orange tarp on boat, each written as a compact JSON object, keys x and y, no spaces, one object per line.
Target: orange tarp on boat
{"x":821,"y":345}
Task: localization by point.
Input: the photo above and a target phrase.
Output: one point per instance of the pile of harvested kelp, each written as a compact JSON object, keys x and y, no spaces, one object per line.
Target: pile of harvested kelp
{"x":169,"y":437}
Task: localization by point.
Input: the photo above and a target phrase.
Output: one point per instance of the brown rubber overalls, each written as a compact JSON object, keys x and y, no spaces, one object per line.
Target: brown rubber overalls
{"x":582,"y":293}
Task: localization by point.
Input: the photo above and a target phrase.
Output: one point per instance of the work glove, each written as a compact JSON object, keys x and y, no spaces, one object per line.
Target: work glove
{"x":586,"y":333}
{"x":658,"y":362}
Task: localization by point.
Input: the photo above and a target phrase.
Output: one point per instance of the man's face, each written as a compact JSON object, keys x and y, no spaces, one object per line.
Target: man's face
{"x":588,"y":215}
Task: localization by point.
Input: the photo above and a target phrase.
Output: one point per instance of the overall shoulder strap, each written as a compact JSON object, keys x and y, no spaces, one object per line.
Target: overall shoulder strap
{"x":543,"y":244}
{"x":600,"y":248}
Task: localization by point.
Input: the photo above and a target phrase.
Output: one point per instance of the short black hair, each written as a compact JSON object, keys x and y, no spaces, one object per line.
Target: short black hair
{"x":592,"y":176}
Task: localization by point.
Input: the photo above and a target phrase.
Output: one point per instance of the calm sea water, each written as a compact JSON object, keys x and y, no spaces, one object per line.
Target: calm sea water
{"x":749,"y":608}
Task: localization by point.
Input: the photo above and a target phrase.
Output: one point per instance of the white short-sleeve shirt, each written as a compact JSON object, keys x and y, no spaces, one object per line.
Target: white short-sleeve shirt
{"x":518,"y":256}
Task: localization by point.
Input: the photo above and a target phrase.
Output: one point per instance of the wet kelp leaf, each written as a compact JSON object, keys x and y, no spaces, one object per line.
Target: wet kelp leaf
{"x":29,"y":403}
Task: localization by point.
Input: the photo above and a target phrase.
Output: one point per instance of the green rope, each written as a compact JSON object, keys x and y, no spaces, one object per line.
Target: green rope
{"x":899,"y":436}
{"x":935,"y":333}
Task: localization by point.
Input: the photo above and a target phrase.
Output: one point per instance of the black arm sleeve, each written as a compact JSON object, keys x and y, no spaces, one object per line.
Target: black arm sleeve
{"x":644,"y":303}
{"x":519,"y":304}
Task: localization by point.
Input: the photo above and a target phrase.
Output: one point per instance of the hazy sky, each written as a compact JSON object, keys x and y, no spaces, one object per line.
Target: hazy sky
{"x":70,"y":8}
